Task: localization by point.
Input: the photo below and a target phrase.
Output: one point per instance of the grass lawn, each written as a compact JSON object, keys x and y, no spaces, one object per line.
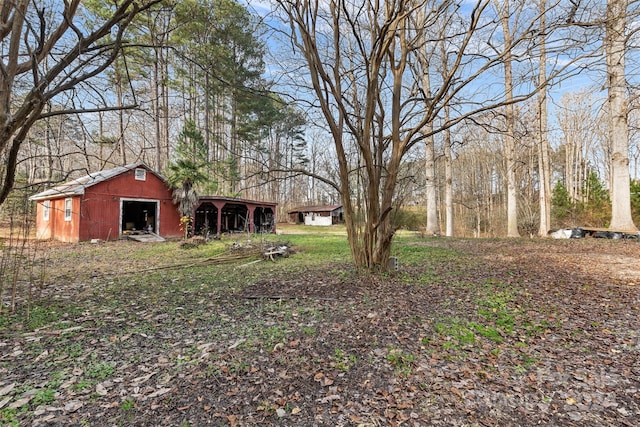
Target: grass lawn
{"x":467,"y":332}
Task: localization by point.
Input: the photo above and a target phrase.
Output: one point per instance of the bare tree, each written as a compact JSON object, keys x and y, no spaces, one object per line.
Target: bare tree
{"x":544,"y":164}
{"x":577,"y":121}
{"x":503,"y":8}
{"x":423,"y":56}
{"x":49,"y":50}
{"x":357,"y":57}
{"x":615,"y":46}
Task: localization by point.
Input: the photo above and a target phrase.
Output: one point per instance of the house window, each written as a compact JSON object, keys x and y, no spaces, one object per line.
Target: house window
{"x":140,"y":174}
{"x":68,"y":203}
{"x":46,"y":207}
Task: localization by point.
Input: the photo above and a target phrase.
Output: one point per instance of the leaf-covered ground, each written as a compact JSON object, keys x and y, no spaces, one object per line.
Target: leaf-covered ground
{"x":467,"y":332}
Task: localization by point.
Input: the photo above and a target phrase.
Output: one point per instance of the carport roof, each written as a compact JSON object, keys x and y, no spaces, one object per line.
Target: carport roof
{"x":202,"y":199}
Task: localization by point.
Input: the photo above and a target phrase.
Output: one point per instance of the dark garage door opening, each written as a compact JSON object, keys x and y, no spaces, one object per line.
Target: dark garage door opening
{"x":139,"y":215}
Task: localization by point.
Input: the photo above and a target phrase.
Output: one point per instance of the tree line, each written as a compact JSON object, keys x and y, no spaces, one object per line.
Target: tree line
{"x":458,"y":107}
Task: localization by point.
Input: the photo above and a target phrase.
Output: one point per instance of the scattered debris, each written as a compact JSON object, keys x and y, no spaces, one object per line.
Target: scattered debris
{"x":597,"y":233}
{"x":275,"y":251}
{"x":145,"y":237}
{"x":193,"y":242}
{"x":561,"y":234}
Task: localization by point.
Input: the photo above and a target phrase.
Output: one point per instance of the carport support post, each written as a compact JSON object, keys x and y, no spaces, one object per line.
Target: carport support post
{"x":252,"y":227}
{"x":219,"y":206}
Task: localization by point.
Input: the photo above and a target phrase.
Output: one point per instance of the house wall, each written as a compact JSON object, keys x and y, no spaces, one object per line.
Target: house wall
{"x":43,"y":228}
{"x":318,"y":218}
{"x":101,"y":206}
{"x":56,"y":227}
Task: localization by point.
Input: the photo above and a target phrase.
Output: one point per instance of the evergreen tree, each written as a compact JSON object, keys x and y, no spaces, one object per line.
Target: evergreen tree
{"x":223,"y":76}
{"x":562,"y":207}
{"x":187,"y":171}
{"x":596,"y":210}
{"x":635,"y":199}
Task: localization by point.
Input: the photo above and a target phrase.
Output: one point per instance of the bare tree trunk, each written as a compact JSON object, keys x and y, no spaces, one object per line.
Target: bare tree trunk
{"x":510,"y":149}
{"x":618,"y":127}
{"x":119,"y":103}
{"x":164,"y":108}
{"x":448,"y":179}
{"x":431,"y":188}
{"x":48,"y":142}
{"x":544,"y":169}
{"x":207,"y":117}
{"x":155,"y":107}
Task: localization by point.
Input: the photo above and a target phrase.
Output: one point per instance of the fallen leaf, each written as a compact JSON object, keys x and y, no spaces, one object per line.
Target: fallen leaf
{"x":41,"y":356}
{"x":236,"y":344}
{"x":457,"y":392}
{"x":329,"y":398}
{"x":139,"y":380}
{"x":7,"y":389}
{"x":159,"y":392}
{"x":20,"y":402}
{"x":4,"y":401}
{"x":101,"y":390}
{"x":73,"y":406}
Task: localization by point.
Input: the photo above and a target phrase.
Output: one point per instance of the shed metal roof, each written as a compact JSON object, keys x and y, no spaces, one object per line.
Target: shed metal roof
{"x":318,"y":208}
{"x":78,"y":185}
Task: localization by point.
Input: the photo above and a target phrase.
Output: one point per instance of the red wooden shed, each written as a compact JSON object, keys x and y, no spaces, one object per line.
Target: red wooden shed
{"x":107,"y":204}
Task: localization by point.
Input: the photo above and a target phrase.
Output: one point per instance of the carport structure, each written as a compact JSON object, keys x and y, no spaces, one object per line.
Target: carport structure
{"x":219,"y":214}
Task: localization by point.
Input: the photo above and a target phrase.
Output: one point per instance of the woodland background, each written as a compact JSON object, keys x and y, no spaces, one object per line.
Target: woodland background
{"x":216,"y":82}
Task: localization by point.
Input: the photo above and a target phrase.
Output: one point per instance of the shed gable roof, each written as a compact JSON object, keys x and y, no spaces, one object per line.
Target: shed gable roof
{"x":77,"y":186}
{"x":319,"y":208}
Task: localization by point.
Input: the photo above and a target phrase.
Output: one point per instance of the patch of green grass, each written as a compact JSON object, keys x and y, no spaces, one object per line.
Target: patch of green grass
{"x":536,"y":329}
{"x":6,"y":320}
{"x":486,"y":331}
{"x":43,"y":397}
{"x":128,"y":405}
{"x":315,"y":250}
{"x":81,"y":385}
{"x":520,"y":369}
{"x":55,"y":380}
{"x":459,"y":332}
{"x":427,"y":278}
{"x":40,"y":316}
{"x":9,"y":417}
{"x":308,"y":331}
{"x":419,"y":252}
{"x":343,"y":361}
{"x":272,"y":336}
{"x":401,"y":360}
{"x":99,"y":370}
{"x":74,"y":350}
{"x":238,"y":366}
{"x":495,"y":308}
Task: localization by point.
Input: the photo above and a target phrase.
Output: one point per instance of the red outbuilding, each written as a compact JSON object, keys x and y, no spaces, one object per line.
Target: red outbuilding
{"x":107,"y":205}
